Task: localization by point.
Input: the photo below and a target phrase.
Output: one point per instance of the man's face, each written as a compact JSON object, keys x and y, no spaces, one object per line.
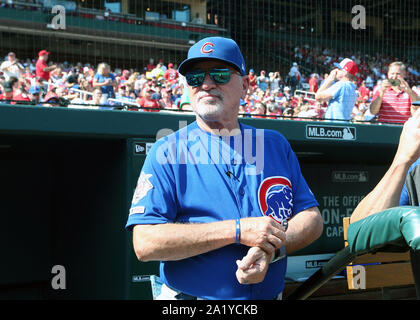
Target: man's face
{"x":259,"y":109}
{"x":44,"y":57}
{"x":11,"y":57}
{"x":212,"y":101}
{"x":394,"y":72}
{"x":341,"y":73}
{"x":148,"y":93}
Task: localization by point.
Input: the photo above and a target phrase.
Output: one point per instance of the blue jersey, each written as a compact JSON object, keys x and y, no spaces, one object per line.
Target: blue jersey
{"x":192,"y":176}
{"x":109,"y":90}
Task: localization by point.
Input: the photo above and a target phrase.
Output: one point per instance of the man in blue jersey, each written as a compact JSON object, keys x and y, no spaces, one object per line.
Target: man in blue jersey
{"x":339,"y":89}
{"x":400,"y":185}
{"x":212,"y":198}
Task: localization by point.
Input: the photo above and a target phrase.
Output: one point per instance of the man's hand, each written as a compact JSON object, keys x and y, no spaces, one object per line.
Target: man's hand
{"x":403,"y":84}
{"x":333,"y":74}
{"x":384,"y":85}
{"x":322,"y":94}
{"x":406,"y":88}
{"x":409,"y":145}
{"x":253,"y":267}
{"x":263,"y":232}
{"x":387,"y":192}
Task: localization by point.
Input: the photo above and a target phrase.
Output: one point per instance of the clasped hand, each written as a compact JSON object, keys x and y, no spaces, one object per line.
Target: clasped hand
{"x":264,"y":235}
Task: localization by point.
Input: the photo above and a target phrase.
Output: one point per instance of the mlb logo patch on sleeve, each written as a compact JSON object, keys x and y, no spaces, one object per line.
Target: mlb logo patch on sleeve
{"x":139,"y":209}
{"x":143,"y":187}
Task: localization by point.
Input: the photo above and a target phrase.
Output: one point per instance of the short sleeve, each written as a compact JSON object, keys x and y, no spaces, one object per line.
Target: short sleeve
{"x":153,"y":200}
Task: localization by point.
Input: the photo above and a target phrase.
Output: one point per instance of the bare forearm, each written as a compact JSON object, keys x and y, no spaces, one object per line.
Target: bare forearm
{"x":385,"y":195}
{"x":388,"y":191}
{"x":325,"y":85}
{"x":180,"y":241}
{"x":376,"y":105}
{"x":322,"y":94}
{"x":51,"y":68}
{"x":304,"y":228}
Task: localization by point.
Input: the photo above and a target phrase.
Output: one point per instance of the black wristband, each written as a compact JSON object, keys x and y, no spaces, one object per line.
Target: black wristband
{"x":279,"y":254}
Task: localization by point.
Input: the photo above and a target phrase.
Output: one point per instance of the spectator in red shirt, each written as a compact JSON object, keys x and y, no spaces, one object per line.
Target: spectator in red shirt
{"x":363,"y":92}
{"x":171,"y":74}
{"x":20,"y":95}
{"x":18,"y":89}
{"x":146,"y":100}
{"x":151,"y":65}
{"x":125,"y":75}
{"x":393,"y":101}
{"x":313,"y":83}
{"x":252,"y":79}
{"x":42,"y":68}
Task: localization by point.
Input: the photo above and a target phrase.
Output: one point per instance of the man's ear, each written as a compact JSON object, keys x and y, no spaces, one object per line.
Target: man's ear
{"x":245,"y":86}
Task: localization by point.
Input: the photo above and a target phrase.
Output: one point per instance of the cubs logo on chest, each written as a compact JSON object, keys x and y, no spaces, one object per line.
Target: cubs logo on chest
{"x":275,"y":198}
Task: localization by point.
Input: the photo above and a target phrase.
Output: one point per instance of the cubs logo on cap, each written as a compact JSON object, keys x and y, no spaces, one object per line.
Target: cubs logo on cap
{"x":275,"y":198}
{"x":349,"y":65}
{"x":207,"y":48}
{"x":214,"y":48}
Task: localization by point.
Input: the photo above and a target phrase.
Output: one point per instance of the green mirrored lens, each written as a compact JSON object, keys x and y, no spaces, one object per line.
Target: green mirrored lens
{"x":195,"y":78}
{"x":220,"y":76}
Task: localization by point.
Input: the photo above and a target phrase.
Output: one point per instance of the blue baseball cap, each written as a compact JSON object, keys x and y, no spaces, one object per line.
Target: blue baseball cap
{"x":214,"y":48}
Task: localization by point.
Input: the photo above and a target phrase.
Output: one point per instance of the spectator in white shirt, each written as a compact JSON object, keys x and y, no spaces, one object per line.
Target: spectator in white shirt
{"x":11,"y":67}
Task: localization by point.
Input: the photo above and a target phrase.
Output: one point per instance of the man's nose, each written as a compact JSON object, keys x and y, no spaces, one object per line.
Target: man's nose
{"x":208,"y":83}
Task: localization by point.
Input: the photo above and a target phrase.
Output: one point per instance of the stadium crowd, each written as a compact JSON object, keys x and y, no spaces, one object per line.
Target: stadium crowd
{"x":159,"y":86}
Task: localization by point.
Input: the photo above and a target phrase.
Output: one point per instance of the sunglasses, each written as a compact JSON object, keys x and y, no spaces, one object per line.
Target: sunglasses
{"x":220,"y":76}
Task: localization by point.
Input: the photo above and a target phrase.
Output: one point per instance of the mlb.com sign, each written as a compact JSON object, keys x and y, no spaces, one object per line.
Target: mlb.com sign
{"x":330,"y":132}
